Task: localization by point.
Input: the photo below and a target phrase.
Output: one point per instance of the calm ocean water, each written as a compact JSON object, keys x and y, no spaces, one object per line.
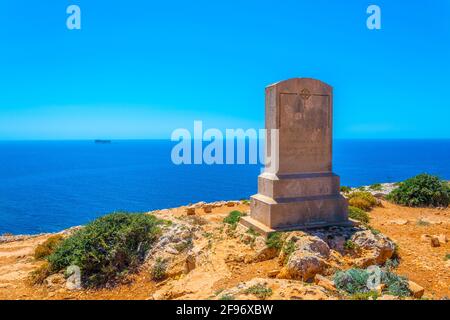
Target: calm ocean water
{"x":49,"y":186}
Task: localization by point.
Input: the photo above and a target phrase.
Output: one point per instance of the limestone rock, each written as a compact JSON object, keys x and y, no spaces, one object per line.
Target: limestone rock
{"x":190,"y":211}
{"x":302,"y":265}
{"x":273,"y":273}
{"x":377,"y":248}
{"x":416,"y":290}
{"x":442,"y":238}
{"x":435,"y":241}
{"x":55,"y":280}
{"x":400,"y":222}
{"x":324,"y":282}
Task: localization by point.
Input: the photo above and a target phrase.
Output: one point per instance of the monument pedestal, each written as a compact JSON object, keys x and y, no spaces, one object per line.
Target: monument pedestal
{"x":298,"y":189}
{"x":297,"y":201}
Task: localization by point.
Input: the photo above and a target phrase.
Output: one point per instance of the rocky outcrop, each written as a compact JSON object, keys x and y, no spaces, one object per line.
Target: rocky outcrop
{"x":376,"y":249}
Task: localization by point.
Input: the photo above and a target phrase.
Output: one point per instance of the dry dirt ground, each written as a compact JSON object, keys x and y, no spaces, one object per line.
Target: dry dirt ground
{"x":420,"y":262}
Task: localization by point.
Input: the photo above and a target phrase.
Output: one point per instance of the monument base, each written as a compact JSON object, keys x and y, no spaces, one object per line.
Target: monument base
{"x":265,"y":231}
{"x":297,"y":202}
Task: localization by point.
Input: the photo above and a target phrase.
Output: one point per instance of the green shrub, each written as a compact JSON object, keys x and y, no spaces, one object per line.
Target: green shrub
{"x":260,"y":291}
{"x":288,"y":249}
{"x":47,"y":247}
{"x":352,"y":281}
{"x":159,"y":269}
{"x":376,"y":187}
{"x":423,"y":190}
{"x":107,"y":248}
{"x":422,"y":223}
{"x":227,"y":297}
{"x":350,"y":245}
{"x":358,"y":214}
{"x":346,"y":189}
{"x":275,"y":240}
{"x":362,"y":199}
{"x":364,"y":296}
{"x":447,"y":257}
{"x":395,"y":284}
{"x":233,"y":218}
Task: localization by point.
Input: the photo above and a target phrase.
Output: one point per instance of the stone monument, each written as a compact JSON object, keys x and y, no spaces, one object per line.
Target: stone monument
{"x":298,"y":189}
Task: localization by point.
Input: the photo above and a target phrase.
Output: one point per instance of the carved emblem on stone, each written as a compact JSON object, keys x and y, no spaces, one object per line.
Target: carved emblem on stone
{"x":305,"y":94}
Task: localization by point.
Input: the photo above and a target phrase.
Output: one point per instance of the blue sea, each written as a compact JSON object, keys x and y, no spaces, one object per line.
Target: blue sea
{"x":49,"y":186}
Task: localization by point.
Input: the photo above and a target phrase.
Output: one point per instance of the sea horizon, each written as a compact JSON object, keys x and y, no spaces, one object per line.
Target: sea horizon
{"x":48,"y":187}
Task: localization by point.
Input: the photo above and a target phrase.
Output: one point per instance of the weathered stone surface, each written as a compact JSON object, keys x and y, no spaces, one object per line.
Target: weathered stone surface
{"x":324,"y":282}
{"x":416,"y":290}
{"x":302,"y":265}
{"x":190,"y":211}
{"x":377,"y":248}
{"x":298,"y":189}
{"x":435,"y":241}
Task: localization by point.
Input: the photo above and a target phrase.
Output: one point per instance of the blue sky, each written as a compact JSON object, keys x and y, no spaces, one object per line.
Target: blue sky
{"x":142,"y":68}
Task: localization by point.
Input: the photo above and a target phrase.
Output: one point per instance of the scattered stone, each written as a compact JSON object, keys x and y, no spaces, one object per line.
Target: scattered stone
{"x":442,"y":238}
{"x":230,"y":203}
{"x":400,"y":222}
{"x":190,"y":211}
{"x":207,"y":208}
{"x":324,"y":282}
{"x":55,"y":280}
{"x":190,"y":262}
{"x":273,"y":273}
{"x":172,"y":251}
{"x":416,"y":290}
{"x":435,"y":241}
{"x":430,"y":221}
{"x":388,"y":297}
{"x":425,"y":238}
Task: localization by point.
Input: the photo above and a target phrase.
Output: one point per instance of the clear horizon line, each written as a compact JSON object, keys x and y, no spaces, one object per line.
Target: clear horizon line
{"x":168,"y":139}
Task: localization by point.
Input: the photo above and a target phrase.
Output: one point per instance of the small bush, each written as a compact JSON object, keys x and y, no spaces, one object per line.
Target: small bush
{"x":40,"y":274}
{"x":358,"y":214}
{"x":48,"y":247}
{"x":447,"y":257}
{"x":395,"y":284}
{"x":376,"y":187}
{"x":159,"y":269}
{"x":107,"y":248}
{"x":352,"y":281}
{"x":350,"y":245}
{"x":183,"y":245}
{"x":423,"y":190}
{"x":275,"y":240}
{"x":288,"y":249}
{"x":422,"y":223}
{"x":233,"y":218}
{"x":260,"y":291}
{"x":227,"y":297}
{"x":346,"y":189}
{"x":374,"y":231}
{"x":362,"y":200}
{"x":252,"y":232}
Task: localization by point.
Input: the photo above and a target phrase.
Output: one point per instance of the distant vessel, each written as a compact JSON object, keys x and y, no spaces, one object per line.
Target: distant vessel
{"x":102,"y":141}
